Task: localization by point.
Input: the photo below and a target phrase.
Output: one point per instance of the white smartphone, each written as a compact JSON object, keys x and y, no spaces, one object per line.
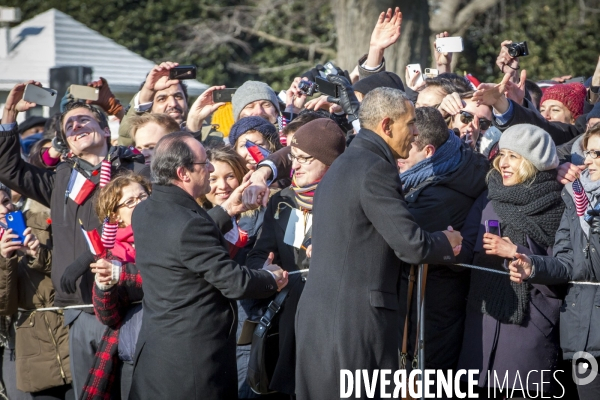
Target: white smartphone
{"x":412,"y":70}
{"x":449,"y":44}
{"x":40,"y":96}
{"x":84,"y":92}
{"x":431,"y":72}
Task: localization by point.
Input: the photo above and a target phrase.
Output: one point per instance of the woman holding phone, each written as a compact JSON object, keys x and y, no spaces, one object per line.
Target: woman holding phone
{"x":38,"y":339}
{"x":576,"y":258}
{"x":523,"y":203}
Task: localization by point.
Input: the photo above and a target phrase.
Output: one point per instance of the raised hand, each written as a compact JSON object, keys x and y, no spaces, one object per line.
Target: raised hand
{"x":157,"y":79}
{"x":443,"y":60}
{"x":202,"y":108}
{"x":322,"y":103}
{"x":568,"y":172}
{"x":520,"y":268}
{"x":106,"y":98}
{"x":7,"y":246}
{"x":347,"y":99}
{"x":452,"y":104}
{"x":387,"y":29}
{"x":15,"y":104}
{"x":294,"y":97}
{"x":31,"y":244}
{"x":506,"y":63}
{"x":516,"y":91}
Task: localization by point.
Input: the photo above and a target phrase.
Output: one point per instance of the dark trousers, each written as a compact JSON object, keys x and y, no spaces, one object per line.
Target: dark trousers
{"x":9,"y":375}
{"x":85,"y":335}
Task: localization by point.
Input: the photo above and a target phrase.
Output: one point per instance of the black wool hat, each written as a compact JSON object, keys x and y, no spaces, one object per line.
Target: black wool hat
{"x":380,"y":79}
{"x":31,"y":122}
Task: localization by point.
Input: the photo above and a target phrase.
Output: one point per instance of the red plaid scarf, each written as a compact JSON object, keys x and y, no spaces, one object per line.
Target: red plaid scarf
{"x":110,"y":307}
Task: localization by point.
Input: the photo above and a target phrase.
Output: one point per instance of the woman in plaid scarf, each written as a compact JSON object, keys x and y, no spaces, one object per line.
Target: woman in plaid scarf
{"x":116,"y":301}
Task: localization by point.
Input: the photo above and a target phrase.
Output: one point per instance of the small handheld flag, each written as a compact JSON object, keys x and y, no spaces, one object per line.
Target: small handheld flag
{"x":79,"y":187}
{"x":104,"y":173}
{"x":93,"y":240}
{"x":257,"y":152}
{"x":581,"y":200}
{"x":109,"y":234}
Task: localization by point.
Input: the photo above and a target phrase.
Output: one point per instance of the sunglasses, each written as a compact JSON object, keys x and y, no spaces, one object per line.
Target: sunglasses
{"x":466,"y":118}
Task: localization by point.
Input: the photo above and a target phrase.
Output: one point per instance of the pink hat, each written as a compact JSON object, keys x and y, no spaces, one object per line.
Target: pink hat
{"x":572,"y":95}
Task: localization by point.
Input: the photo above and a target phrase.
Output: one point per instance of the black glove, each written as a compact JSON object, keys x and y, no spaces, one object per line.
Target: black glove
{"x":312,"y":74}
{"x":593,"y":218}
{"x":347,"y":98}
{"x":68,"y":281}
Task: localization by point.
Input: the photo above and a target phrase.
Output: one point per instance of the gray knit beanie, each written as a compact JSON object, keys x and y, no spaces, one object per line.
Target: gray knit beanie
{"x":252,"y":91}
{"x":532,"y":143}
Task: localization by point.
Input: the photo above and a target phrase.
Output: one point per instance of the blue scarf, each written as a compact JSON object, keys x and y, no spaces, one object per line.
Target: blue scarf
{"x":444,"y":160}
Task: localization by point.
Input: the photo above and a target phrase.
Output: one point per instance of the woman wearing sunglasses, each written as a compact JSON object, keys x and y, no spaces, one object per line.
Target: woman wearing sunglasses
{"x":576,"y":258}
{"x":116,"y":301}
{"x":466,"y":117}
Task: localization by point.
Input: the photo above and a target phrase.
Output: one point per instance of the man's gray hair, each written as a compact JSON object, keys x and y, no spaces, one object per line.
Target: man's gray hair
{"x":381,"y":103}
{"x":170,"y":153}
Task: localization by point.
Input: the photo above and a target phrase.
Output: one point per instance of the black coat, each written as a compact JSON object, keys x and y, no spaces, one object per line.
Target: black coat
{"x":347,"y":316}
{"x":48,"y":188}
{"x":575,"y":258}
{"x":186,"y":347}
{"x":449,"y":198}
{"x":290,"y":259}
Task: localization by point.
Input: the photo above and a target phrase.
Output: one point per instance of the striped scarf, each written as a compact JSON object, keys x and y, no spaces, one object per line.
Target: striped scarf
{"x":305,"y":194}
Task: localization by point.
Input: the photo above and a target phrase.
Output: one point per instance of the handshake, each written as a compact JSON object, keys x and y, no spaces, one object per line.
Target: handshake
{"x":280,"y":276}
{"x":455,"y":239}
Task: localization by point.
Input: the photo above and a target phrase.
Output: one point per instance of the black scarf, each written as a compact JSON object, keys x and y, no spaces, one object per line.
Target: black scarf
{"x":533,"y":210}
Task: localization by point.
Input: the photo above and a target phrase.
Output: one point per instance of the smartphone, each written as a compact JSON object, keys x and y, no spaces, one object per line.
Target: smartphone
{"x":183,"y":72}
{"x":40,"y":96}
{"x":431,"y":72}
{"x":84,"y":92}
{"x":579,"y":79}
{"x":223,"y":95}
{"x":449,"y":44}
{"x":326,"y":87}
{"x":16,"y":222}
{"x":493,"y":226}
{"x":412,"y":70}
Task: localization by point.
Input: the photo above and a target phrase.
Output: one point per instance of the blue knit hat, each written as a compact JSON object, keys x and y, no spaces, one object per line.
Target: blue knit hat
{"x":258,"y":124}
{"x":595,"y":113}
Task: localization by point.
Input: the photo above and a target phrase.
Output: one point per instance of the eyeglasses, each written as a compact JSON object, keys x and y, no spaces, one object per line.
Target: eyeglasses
{"x":204,"y":164}
{"x":132,"y":202}
{"x":300,"y":159}
{"x":592,"y":153}
{"x":467,"y":118}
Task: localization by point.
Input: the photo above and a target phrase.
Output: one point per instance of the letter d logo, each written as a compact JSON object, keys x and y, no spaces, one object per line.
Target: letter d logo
{"x":580,"y":369}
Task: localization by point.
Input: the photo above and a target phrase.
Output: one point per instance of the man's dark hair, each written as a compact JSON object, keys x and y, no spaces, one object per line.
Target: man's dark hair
{"x":170,"y":153}
{"x":535,"y":92}
{"x":431,"y":126}
{"x":181,"y":84}
{"x":98,"y":114}
{"x":449,"y":83}
{"x":302,"y":119}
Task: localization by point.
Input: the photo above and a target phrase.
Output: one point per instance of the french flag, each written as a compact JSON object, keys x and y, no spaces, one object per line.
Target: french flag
{"x":79,"y":187}
{"x":258,"y":153}
{"x":93,"y":239}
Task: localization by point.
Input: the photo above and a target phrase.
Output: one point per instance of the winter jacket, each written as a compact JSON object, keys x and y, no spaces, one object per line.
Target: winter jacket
{"x":49,"y":188}
{"x":575,"y":258}
{"x":42,"y":341}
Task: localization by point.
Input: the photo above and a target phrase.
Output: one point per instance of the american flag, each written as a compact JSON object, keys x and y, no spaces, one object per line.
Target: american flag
{"x":109,"y":234}
{"x":105,"y":173}
{"x":581,"y":200}
{"x":282,"y":123}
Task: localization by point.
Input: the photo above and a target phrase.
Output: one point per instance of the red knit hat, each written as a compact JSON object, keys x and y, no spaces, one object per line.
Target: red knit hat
{"x":572,"y":95}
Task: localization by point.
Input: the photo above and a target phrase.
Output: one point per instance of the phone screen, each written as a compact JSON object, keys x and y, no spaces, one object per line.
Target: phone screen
{"x":493,"y":227}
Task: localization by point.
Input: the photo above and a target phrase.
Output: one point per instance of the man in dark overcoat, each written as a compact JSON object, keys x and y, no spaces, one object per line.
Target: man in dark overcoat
{"x":348,"y":316}
{"x":186,"y":346}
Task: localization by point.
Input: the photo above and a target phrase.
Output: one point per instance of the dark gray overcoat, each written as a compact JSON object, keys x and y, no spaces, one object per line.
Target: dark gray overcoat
{"x":347,"y":316}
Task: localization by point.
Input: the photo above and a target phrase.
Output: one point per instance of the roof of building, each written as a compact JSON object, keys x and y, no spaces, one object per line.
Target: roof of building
{"x":54,"y":39}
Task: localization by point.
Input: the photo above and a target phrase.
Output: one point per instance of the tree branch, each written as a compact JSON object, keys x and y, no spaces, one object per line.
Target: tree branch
{"x":253,"y":69}
{"x":467,"y":14}
{"x":289,"y":43}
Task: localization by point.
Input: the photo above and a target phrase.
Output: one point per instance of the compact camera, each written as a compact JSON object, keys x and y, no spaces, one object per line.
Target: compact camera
{"x":320,"y":85}
{"x":518,"y":49}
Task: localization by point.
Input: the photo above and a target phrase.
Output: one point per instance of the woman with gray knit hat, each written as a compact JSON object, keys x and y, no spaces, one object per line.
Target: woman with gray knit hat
{"x":511,"y":329}
{"x":287,"y":231}
{"x":576,"y":258}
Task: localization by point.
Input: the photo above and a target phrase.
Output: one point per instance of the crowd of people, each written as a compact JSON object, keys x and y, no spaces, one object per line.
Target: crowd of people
{"x":193,"y":259}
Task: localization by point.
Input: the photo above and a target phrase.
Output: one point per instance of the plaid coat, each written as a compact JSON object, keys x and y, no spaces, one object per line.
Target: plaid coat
{"x":110,"y":307}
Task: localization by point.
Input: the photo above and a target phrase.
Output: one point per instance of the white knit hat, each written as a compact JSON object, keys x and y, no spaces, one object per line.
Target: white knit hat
{"x":532,"y":143}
